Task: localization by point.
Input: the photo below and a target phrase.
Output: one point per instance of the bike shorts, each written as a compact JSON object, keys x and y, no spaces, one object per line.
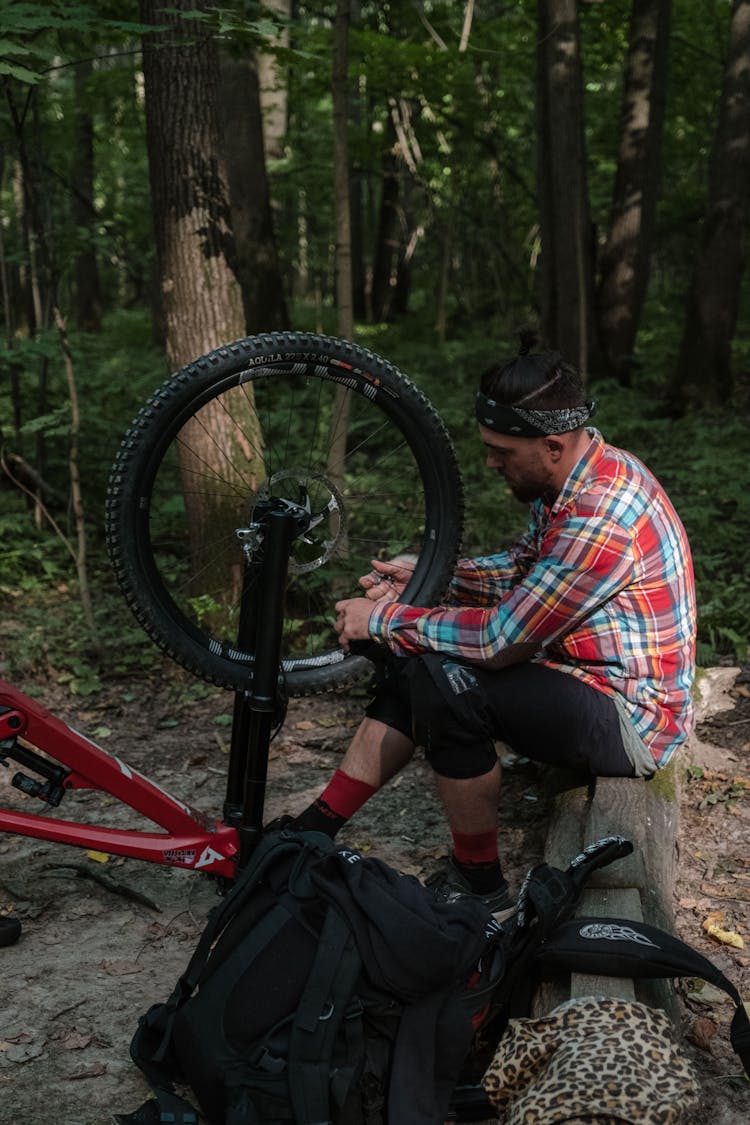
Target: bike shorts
{"x":458,"y":711}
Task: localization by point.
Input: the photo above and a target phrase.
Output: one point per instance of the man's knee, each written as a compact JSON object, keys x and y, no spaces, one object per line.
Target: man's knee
{"x":448,"y":718}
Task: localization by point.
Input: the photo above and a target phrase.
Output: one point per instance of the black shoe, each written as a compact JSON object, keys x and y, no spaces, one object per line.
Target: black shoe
{"x":449,"y":885}
{"x":10,"y":931}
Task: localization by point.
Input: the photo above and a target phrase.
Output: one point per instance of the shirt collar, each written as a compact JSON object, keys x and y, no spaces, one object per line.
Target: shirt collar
{"x":580,"y":471}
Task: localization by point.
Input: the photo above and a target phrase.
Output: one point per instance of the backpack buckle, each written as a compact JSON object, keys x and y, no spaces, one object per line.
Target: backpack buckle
{"x":355,"y":1010}
{"x":272,"y":1064}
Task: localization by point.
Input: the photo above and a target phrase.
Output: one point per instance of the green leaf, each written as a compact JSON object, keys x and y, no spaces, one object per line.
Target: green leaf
{"x":22,"y":73}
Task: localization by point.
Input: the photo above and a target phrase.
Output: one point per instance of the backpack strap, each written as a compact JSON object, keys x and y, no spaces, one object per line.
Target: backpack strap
{"x":151,"y":1046}
{"x":164,"y":1107}
{"x":621,"y":947}
{"x":325,"y":1002}
{"x":549,"y":896}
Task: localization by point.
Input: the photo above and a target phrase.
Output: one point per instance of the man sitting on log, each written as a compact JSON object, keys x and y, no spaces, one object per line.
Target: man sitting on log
{"x":575,"y":647}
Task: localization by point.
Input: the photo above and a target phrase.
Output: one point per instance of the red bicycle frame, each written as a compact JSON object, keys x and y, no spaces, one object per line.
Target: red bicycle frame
{"x":188,"y":837}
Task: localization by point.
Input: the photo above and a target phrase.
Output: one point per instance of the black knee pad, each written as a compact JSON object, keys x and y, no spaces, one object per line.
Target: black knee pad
{"x":390,"y":703}
{"x":450,"y":718}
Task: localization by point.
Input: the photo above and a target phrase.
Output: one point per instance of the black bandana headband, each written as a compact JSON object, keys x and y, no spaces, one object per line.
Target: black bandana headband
{"x":518,"y":422}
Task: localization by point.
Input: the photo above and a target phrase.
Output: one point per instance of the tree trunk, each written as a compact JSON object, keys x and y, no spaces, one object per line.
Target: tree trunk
{"x":566,"y":226}
{"x":252,"y":221}
{"x":626,"y":257}
{"x":202,"y":304}
{"x":87,"y":281}
{"x":340,"y":88}
{"x":344,"y":293}
{"x":704,"y":366}
{"x":387,"y":236}
{"x":273,"y":83}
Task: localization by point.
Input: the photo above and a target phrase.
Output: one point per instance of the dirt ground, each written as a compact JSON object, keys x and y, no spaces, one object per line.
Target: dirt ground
{"x":92,"y":958}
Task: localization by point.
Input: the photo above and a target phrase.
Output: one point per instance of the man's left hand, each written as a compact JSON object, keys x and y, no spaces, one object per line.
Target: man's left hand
{"x":352,"y":619}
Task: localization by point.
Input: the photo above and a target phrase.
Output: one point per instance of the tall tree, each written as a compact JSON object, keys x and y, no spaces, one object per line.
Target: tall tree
{"x":625,"y":260}
{"x":87,"y":280}
{"x":201,"y":299}
{"x":274,"y":95}
{"x":388,"y":233}
{"x":202,"y":304}
{"x":567,"y":242}
{"x":343,"y":263}
{"x":704,"y":370}
{"x":252,"y":220}
{"x":340,"y":90}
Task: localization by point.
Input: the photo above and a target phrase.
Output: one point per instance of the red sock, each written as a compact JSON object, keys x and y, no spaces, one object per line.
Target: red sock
{"x":344,"y":794}
{"x":475,"y":847}
{"x":475,"y":856}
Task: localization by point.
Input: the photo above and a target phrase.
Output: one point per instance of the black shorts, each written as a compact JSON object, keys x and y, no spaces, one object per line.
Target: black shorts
{"x":457,"y":712}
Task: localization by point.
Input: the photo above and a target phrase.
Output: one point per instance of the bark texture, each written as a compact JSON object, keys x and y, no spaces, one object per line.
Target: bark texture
{"x":704,"y":370}
{"x":201,"y":300}
{"x":258,"y":269}
{"x":567,"y":243}
{"x":624,"y":265}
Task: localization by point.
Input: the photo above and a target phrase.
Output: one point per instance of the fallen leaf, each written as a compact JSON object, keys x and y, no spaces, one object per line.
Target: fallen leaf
{"x":21,"y":1053}
{"x":304,"y":724}
{"x":726,"y":937}
{"x":76,"y":1041}
{"x":121,"y":968}
{"x":702,"y":1032}
{"x":704,"y":993}
{"x":90,"y":1070}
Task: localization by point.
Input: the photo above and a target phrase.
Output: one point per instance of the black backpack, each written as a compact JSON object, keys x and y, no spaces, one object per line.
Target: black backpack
{"x":326,"y":987}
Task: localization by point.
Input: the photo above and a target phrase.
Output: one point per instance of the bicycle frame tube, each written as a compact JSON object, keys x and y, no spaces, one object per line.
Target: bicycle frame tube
{"x":188,"y":839}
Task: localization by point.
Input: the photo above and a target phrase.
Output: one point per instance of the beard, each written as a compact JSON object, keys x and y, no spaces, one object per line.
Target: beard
{"x":533,"y":486}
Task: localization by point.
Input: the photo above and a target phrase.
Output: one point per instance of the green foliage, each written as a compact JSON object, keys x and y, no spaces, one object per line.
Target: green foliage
{"x":468,"y":190}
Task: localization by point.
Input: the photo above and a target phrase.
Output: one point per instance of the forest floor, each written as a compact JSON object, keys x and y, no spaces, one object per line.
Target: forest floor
{"x":91,"y":959}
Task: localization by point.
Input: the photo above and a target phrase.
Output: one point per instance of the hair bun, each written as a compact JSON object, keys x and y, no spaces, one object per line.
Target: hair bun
{"x":528,"y":338}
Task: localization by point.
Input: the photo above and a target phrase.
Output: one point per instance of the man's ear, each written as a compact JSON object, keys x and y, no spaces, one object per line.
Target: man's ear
{"x":555,"y":447}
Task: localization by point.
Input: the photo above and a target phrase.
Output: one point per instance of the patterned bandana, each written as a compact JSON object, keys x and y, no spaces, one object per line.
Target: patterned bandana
{"x":517,"y":421}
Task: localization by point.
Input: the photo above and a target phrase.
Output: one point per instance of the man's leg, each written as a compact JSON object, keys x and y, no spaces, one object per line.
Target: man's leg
{"x":471,"y":811}
{"x":376,"y":753}
{"x":470,"y":803}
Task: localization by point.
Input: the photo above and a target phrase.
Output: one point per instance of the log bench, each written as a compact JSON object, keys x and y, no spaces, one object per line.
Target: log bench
{"x":639,"y":887}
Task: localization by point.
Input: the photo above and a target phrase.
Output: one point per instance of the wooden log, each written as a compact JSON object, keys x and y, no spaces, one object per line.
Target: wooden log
{"x":639,"y":887}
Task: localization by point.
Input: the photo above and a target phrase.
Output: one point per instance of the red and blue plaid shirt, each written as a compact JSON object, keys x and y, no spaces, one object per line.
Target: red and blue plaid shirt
{"x":600,"y":585}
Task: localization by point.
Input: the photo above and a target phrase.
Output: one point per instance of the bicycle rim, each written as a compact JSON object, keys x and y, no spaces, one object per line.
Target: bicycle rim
{"x":260,"y":419}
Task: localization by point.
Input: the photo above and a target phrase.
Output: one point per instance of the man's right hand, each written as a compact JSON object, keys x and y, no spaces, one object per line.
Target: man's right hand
{"x":388,"y":579}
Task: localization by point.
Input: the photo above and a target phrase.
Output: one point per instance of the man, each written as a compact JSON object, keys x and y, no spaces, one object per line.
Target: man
{"x":575,"y":647}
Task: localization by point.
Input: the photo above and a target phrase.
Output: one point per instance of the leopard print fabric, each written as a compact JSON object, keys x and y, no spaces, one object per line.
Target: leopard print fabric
{"x":591,"y":1060}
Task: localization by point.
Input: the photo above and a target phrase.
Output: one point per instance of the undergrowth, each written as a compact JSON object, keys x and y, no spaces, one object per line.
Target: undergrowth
{"x":701,"y":459}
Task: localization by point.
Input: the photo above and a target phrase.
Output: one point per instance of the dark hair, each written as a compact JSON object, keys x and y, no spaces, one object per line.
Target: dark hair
{"x":538,"y":380}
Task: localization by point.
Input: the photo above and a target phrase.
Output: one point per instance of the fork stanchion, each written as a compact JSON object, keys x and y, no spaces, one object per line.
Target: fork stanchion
{"x":260,"y":631}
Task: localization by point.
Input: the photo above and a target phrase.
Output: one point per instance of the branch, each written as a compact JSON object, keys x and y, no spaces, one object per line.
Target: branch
{"x":39,"y":504}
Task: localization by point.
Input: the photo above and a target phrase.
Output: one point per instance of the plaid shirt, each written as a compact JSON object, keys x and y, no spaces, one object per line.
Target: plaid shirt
{"x":600,"y":586}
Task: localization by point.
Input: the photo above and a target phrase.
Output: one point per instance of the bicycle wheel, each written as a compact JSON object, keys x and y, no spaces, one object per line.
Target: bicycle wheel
{"x":313,"y":420}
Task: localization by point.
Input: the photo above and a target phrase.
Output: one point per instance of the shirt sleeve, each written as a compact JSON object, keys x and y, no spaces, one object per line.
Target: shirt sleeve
{"x":483,"y":581}
{"x":584,"y":562}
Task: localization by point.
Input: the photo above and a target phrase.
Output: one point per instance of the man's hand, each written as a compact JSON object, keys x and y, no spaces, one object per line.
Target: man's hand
{"x":352,"y":619}
{"x":388,"y":579}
